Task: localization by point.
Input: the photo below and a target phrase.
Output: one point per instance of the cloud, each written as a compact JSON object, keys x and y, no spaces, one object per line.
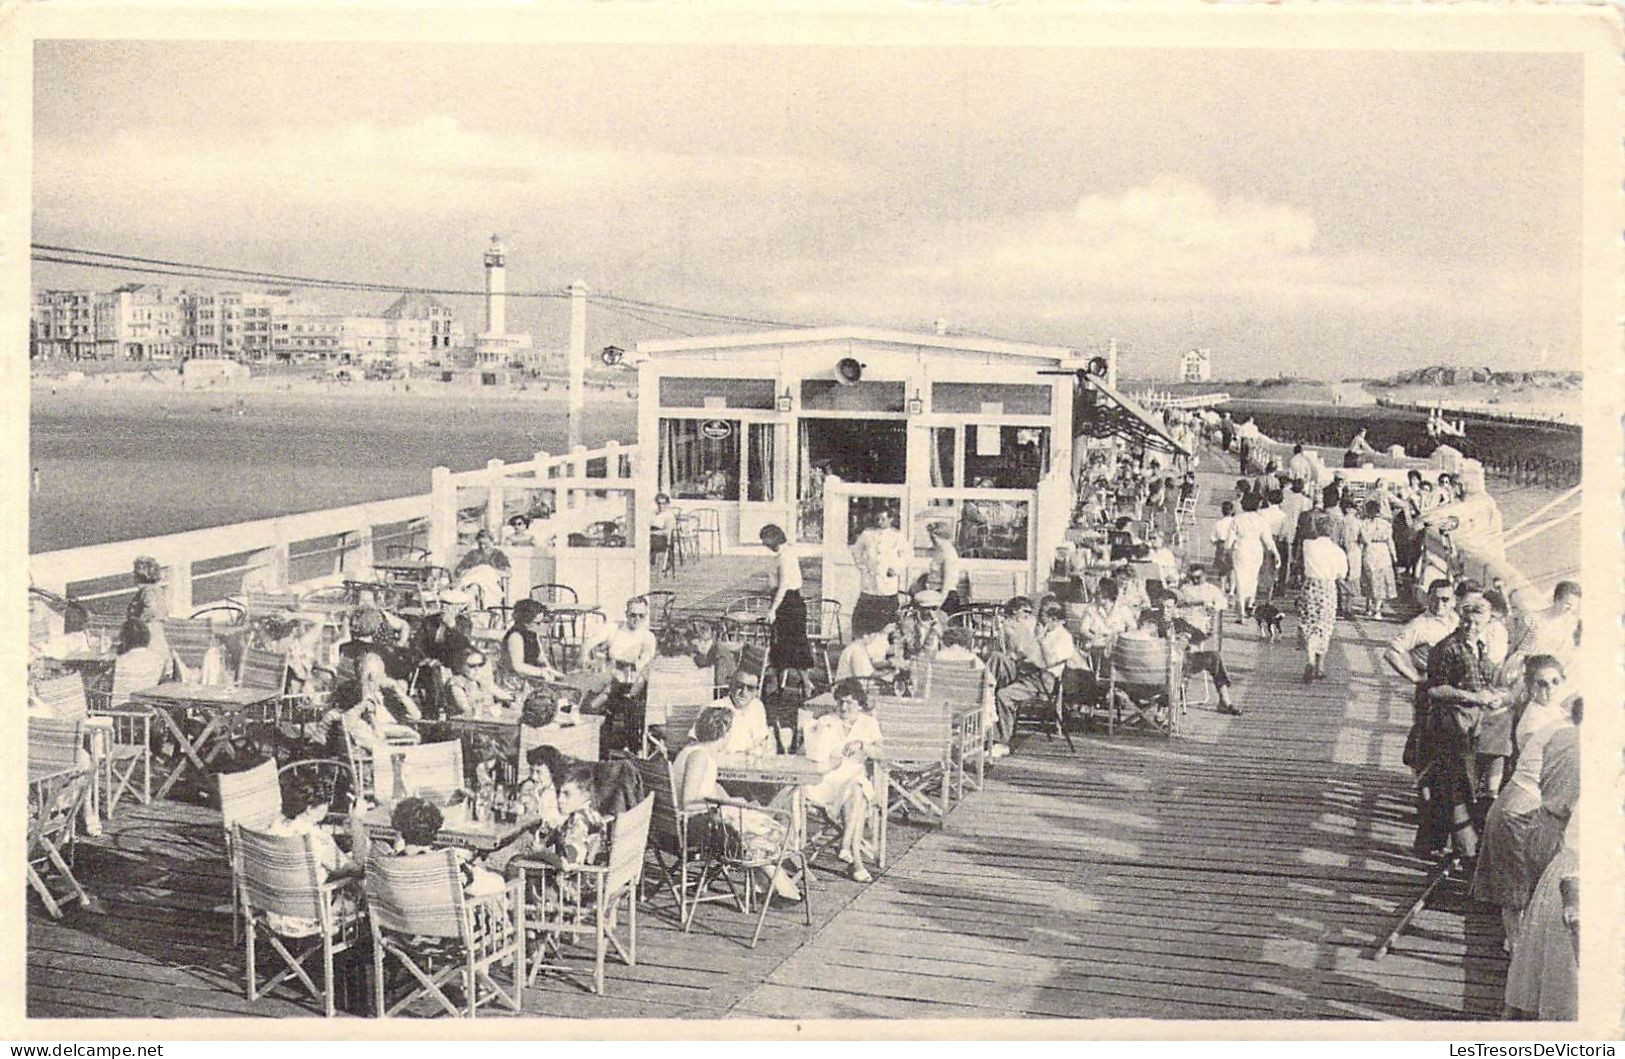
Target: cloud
{"x":435,"y":164}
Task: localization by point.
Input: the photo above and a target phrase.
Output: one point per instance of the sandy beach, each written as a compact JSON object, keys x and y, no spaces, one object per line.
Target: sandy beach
{"x":189,"y":459}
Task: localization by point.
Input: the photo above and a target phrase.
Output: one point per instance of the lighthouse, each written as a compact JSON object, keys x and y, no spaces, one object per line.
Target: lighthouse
{"x":495,"y":347}
{"x":496,"y":288}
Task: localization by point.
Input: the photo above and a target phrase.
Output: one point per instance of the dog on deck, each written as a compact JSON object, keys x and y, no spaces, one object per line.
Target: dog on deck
{"x":1268,"y":618}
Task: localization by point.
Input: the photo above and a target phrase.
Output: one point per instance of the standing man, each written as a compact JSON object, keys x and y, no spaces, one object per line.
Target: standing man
{"x":1460,"y":689}
{"x":882,"y":556}
{"x":1300,"y":466}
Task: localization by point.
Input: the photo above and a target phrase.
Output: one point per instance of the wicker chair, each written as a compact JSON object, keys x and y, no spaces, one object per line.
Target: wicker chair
{"x":420,"y":917}
{"x":592,"y":906}
{"x":282,"y":876}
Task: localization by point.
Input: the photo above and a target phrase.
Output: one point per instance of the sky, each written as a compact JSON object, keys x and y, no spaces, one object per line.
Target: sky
{"x":1319,"y":214}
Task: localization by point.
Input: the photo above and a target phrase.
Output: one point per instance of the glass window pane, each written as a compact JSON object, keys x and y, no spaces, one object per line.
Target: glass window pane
{"x":735,"y":393}
{"x":968,"y":397}
{"x":1018,"y":459}
{"x":993,"y":529}
{"x":827,"y":395}
{"x":699,"y":458}
{"x":874,"y":451}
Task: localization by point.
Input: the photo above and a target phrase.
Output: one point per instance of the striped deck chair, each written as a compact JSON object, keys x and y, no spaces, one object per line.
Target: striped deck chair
{"x":251,"y":798}
{"x":418,"y":913}
{"x":428,"y":769}
{"x":130,"y":749}
{"x":1147,"y":686}
{"x":269,"y":604}
{"x":55,"y":743}
{"x":64,"y":697}
{"x":281,"y":878}
{"x":593,"y":905}
{"x":56,"y":801}
{"x":917,"y":748}
{"x":963,"y":689}
{"x":991,"y":586}
{"x":102,"y":629}
{"x":196,"y":649}
{"x":676,"y":859}
{"x":677,"y":689}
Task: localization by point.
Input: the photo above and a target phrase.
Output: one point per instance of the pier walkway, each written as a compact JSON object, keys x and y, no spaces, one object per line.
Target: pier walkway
{"x":1241,"y":870}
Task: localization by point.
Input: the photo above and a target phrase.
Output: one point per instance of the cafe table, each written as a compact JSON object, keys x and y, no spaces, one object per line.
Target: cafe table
{"x":456,"y":829}
{"x":795,"y":771}
{"x":219,"y":703}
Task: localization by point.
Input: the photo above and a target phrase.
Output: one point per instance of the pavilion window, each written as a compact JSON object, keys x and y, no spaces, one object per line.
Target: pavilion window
{"x":1017,"y":458}
{"x":695,"y":465}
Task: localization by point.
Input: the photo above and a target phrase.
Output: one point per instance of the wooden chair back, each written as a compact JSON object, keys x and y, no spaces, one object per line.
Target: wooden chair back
{"x":268,"y":604}
{"x":956,"y":685}
{"x":189,"y":640}
{"x":1142,"y":663}
{"x":263,"y":670}
{"x":628,"y":841}
{"x":251,"y":798}
{"x":990,"y":586}
{"x":430,"y":767}
{"x":54,"y":743}
{"x":677,"y":682}
{"x":63,"y":696}
{"x":665,"y":823}
{"x":277,"y":874}
{"x":420,"y":895}
{"x":102,"y":629}
{"x":913,"y":731}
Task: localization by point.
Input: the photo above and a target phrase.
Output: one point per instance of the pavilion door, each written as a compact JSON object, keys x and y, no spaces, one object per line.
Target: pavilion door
{"x":848,"y":507}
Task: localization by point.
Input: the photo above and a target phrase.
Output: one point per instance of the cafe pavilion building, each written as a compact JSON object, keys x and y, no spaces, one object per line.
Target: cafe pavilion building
{"x":813,"y":429}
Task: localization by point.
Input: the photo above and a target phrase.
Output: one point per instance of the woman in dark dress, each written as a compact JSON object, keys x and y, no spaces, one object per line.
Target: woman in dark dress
{"x":791,"y":649}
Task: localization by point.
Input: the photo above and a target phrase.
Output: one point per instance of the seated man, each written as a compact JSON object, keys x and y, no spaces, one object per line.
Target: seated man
{"x":1057,"y":652}
{"x":629,"y":651}
{"x":1018,"y":641}
{"x":1163,"y":559}
{"x":483,"y":571}
{"x":1199,"y":592}
{"x":750,"y":732}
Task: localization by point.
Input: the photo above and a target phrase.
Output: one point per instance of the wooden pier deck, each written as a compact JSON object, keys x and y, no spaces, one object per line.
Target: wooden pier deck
{"x":1241,"y":870}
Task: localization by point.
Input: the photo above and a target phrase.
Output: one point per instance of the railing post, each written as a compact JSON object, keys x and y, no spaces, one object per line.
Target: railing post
{"x":495,"y":470}
{"x":442,"y":514}
{"x":612,"y":459}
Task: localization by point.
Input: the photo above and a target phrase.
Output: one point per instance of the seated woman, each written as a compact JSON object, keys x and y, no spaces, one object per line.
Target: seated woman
{"x":363,"y":713}
{"x":547,"y":767}
{"x":845,"y":741}
{"x":519,"y":535}
{"x":470,"y":692}
{"x":139,"y":664}
{"x":306,"y":801}
{"x":417,"y":822}
{"x":524,"y":655}
{"x":694,"y":772}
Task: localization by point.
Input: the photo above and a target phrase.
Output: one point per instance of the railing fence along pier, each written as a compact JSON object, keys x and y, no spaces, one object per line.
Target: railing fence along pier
{"x":566,"y":495}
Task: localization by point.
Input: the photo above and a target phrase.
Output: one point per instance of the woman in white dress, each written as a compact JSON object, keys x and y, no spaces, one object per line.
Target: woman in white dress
{"x":845,"y":741}
{"x":694,"y":772}
{"x":1253,"y":541}
{"x":1504,"y":875}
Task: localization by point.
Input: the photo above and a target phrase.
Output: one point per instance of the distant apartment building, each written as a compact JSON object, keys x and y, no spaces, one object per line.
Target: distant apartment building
{"x":1196,"y":366}
{"x":62,"y":325}
{"x":148,"y":322}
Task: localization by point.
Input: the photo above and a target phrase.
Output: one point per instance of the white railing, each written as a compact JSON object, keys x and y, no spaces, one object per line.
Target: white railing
{"x":315,"y":548}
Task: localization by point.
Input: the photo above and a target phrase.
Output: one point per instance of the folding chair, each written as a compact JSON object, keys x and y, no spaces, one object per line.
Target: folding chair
{"x":962,"y":688}
{"x":196,"y":649}
{"x":56,"y":801}
{"x":278,"y":878}
{"x":427,"y":769}
{"x":671,"y":837}
{"x":678,"y":691}
{"x":918,"y":756}
{"x":421,"y":919}
{"x":825,"y":627}
{"x":592,"y":906}
{"x":1146,"y":691}
{"x":269,"y":604}
{"x":708,"y":525}
{"x":251,"y":798}
{"x":990,"y":586}
{"x":734,"y":860}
